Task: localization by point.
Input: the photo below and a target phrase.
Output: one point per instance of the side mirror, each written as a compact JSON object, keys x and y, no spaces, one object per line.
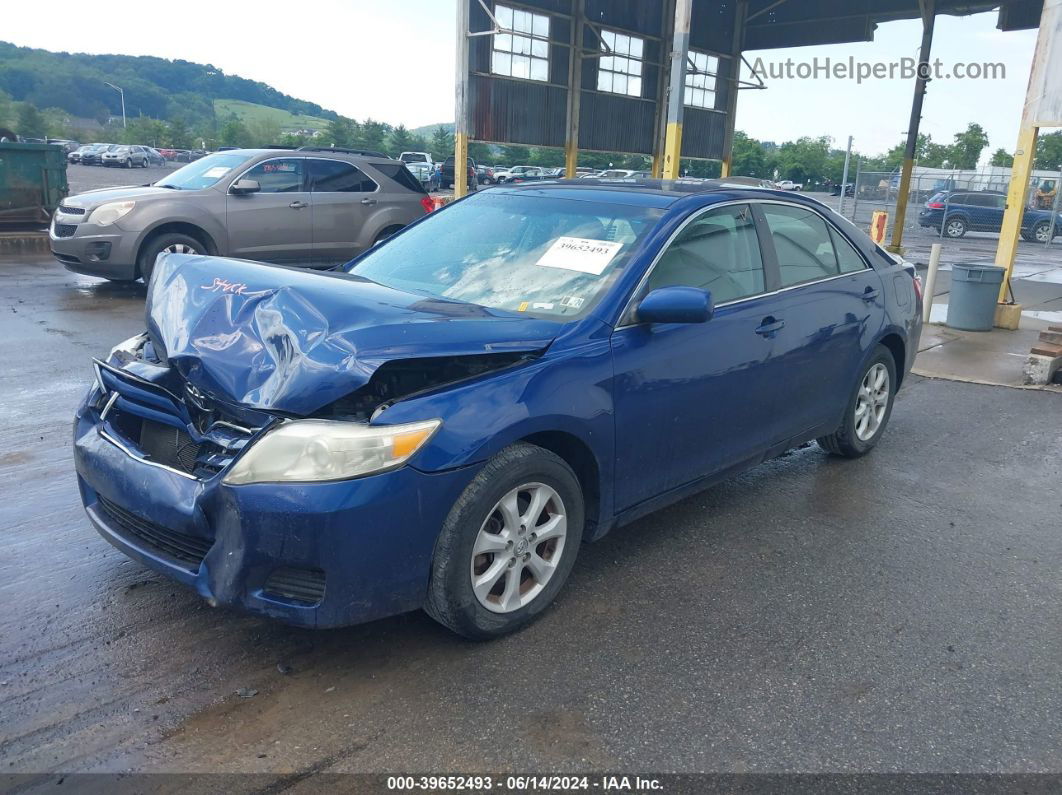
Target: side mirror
{"x":676,"y":305}
{"x":242,"y":186}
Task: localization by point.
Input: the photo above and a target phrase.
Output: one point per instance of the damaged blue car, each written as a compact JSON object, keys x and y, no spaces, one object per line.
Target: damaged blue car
{"x":442,"y":422}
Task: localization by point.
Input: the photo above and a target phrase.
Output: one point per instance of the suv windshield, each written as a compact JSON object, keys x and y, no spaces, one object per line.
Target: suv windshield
{"x":516,"y":252}
{"x":413,"y":157}
{"x":203,"y":173}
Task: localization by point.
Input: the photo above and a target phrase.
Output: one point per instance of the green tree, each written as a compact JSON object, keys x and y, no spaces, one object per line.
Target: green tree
{"x":178,"y":135}
{"x":234,"y":133}
{"x":373,"y":135}
{"x":748,"y":158}
{"x":265,"y":131}
{"x":6,"y":110}
{"x":1049,"y":151}
{"x":341,"y":131}
{"x":30,"y":123}
{"x":442,"y":144}
{"x":969,"y":144}
{"x":400,"y":140}
{"x":1001,"y":157}
{"x":803,"y":160}
{"x":142,"y":130}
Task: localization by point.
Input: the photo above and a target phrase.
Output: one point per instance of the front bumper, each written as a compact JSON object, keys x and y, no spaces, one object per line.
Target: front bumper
{"x":367,"y":542}
{"x":87,"y":248}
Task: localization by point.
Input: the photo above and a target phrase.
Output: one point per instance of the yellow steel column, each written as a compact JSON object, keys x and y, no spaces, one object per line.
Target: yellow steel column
{"x":575,"y":89}
{"x":677,"y":90}
{"x":461,"y":124}
{"x":1009,"y":234}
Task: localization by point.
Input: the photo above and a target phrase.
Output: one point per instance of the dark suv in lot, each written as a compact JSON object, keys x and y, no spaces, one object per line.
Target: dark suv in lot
{"x":957,"y":212}
{"x":448,"y":180}
{"x":303,"y":207}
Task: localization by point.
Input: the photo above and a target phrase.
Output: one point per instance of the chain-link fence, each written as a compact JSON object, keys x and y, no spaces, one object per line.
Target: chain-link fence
{"x":949,"y":204}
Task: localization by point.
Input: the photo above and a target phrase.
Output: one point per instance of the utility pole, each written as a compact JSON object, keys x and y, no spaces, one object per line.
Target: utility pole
{"x":928,"y":17}
{"x":122,"y":95}
{"x":680,"y":47}
{"x":461,"y":121}
{"x":844,"y":178}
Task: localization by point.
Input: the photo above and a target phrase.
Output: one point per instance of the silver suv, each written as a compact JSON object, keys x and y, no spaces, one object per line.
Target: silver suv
{"x":125,"y":156}
{"x":303,"y":207}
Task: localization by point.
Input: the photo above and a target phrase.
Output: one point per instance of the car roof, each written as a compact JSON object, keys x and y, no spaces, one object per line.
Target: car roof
{"x":317,"y":153}
{"x":644,"y":191}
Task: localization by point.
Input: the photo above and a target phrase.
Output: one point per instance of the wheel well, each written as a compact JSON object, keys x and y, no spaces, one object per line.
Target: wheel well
{"x":178,"y":227}
{"x":579,"y":457}
{"x":899,"y":354}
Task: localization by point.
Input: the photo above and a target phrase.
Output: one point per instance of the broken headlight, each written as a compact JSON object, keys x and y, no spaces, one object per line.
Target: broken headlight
{"x":316,"y":450}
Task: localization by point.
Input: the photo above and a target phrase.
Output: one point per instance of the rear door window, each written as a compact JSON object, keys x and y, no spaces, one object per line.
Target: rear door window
{"x":802,"y":243}
{"x":335,"y":176}
{"x":848,"y":258}
{"x":400,"y":174}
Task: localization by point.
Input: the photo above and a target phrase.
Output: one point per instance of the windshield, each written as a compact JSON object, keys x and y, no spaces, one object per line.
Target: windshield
{"x":414,"y":157}
{"x":517,"y":252}
{"x":203,"y":173}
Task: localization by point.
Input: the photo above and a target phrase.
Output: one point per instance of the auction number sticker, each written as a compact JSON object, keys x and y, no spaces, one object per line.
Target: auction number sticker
{"x":580,"y":254}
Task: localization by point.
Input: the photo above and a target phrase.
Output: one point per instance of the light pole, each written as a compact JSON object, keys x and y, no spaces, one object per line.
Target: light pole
{"x":122,"y":95}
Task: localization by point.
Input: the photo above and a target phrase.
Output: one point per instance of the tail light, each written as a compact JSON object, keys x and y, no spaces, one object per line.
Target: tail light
{"x":918,"y":287}
{"x":935,"y":205}
{"x":427,"y":203}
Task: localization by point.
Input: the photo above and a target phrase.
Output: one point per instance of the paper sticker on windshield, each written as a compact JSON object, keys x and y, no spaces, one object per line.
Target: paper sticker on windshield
{"x":580,"y":254}
{"x":216,"y":172}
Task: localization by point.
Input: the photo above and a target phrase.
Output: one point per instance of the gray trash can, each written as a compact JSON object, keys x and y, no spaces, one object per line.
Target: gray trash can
{"x":973,"y":297}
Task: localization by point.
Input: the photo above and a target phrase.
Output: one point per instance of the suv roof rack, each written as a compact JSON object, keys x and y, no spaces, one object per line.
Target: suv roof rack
{"x":344,"y":150}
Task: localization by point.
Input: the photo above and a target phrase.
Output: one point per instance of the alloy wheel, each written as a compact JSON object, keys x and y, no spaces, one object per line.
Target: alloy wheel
{"x":954,"y":229}
{"x":178,"y":248}
{"x":1042,"y":233}
{"x":872,"y":401}
{"x":518,"y":547}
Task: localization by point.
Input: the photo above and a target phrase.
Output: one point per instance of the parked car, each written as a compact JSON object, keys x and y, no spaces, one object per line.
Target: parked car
{"x":755,"y":182}
{"x":447,"y":173}
{"x":68,"y":145}
{"x":416,"y":157}
{"x":168,"y":153}
{"x":849,"y":190}
{"x":294,"y":207}
{"x":485,"y":175}
{"x":959,"y":212}
{"x":788,"y":184}
{"x":125,"y":156}
{"x":429,"y":177}
{"x":75,"y":156}
{"x":91,"y":153}
{"x":517,"y":171}
{"x":155,"y":157}
{"x":443,"y":422}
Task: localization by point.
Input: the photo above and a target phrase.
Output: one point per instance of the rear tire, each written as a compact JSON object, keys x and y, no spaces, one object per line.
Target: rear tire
{"x":869,"y":408}
{"x":386,"y":233}
{"x":954,"y":228}
{"x":172,"y":242}
{"x":1041,"y":232}
{"x":521,"y":490}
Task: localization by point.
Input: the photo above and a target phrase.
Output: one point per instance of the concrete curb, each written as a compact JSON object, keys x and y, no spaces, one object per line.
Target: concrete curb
{"x":15,"y":243}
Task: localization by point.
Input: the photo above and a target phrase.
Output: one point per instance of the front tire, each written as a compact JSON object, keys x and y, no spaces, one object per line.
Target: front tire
{"x":170,"y":243}
{"x":508,"y":544}
{"x":868,"y":410}
{"x":1041,"y":233}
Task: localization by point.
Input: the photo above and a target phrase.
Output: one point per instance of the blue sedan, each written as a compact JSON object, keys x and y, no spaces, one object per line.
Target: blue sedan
{"x":442,"y":422}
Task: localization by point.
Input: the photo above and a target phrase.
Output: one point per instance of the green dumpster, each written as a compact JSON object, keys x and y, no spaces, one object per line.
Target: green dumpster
{"x":32,"y":181}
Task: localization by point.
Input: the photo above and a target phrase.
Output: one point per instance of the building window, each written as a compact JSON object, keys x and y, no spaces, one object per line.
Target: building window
{"x":620,"y":71}
{"x":701,"y":69}
{"x":523,"y":53}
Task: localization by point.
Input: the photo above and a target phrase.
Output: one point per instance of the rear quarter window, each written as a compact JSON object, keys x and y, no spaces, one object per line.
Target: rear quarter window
{"x":399,"y":173}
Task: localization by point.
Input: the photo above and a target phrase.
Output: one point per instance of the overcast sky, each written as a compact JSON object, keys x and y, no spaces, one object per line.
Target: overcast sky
{"x":394,"y":61}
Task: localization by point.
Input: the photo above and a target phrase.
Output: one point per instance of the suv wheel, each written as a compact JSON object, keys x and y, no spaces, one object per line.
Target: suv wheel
{"x":508,"y":545}
{"x":954,"y":227}
{"x":1042,"y":232}
{"x":169,"y":243}
{"x":869,"y":409}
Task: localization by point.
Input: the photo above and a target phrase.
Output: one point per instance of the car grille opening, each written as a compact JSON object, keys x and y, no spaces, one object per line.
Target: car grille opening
{"x":68,"y":210}
{"x":305,"y":586}
{"x":65,"y":230}
{"x":165,"y":444}
{"x":181,"y":548}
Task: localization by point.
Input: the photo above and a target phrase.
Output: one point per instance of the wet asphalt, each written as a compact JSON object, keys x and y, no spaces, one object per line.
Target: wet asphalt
{"x":896,"y":613}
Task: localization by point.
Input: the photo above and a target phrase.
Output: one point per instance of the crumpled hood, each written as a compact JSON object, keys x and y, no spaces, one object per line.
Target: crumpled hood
{"x":293,"y":341}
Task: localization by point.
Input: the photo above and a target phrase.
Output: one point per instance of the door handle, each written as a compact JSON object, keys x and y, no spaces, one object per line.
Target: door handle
{"x":368,"y":201}
{"x":297,"y":205}
{"x":770,"y":326}
{"x":870,"y":295}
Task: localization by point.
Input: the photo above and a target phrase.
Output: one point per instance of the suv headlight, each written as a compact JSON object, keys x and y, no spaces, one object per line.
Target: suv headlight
{"x":316,"y":450}
{"x":107,"y":214}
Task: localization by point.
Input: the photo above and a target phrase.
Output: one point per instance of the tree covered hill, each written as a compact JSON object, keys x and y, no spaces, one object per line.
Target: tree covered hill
{"x":155,"y":87}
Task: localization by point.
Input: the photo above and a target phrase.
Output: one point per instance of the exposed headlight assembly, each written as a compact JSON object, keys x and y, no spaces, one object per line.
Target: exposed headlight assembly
{"x":107,"y":214}
{"x":319,"y":450}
